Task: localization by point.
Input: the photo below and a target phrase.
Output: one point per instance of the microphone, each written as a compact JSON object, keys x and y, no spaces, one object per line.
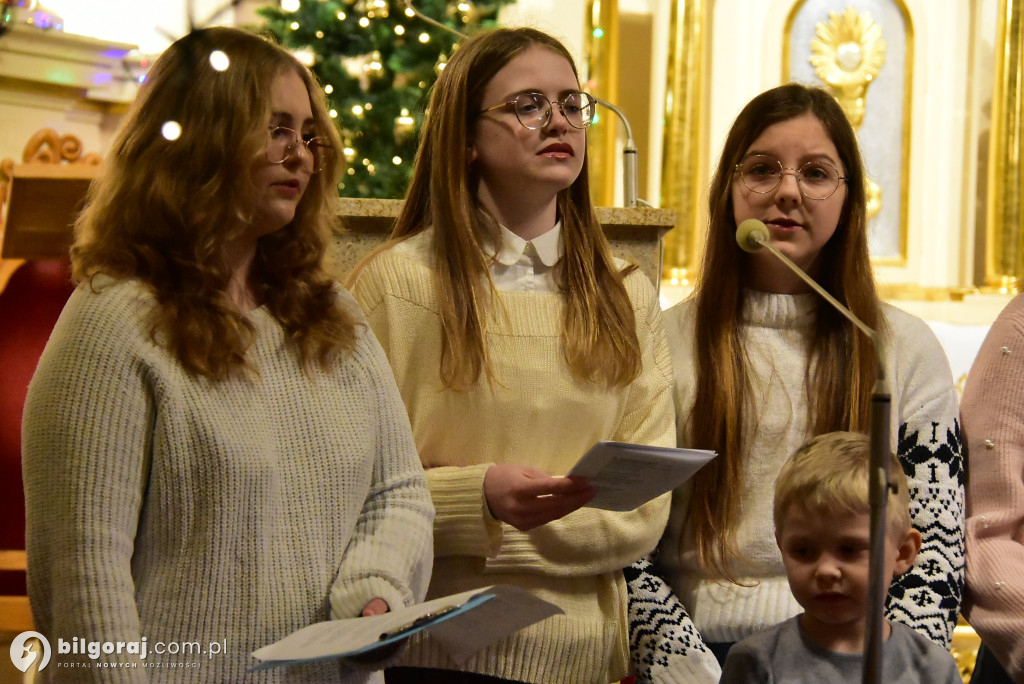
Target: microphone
{"x":752,"y":235}
{"x":629,"y":171}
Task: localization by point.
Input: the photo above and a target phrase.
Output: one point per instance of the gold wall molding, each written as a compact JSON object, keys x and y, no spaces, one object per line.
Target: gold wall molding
{"x":684,"y":152}
{"x":1004,"y":249}
{"x":601,"y":33}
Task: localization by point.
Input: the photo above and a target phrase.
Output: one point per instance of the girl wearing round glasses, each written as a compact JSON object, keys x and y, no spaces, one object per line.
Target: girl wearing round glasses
{"x":214,"y":446}
{"x":762,"y":363}
{"x":518,"y":342}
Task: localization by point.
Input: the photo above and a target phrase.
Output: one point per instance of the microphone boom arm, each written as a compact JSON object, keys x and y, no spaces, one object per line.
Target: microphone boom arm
{"x":752,"y":235}
{"x":629,"y":170}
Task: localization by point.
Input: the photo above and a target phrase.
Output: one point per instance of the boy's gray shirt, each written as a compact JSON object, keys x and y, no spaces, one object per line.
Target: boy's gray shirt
{"x":784,"y":654}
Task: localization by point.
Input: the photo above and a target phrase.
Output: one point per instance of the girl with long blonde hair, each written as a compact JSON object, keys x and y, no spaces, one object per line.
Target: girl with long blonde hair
{"x":518,"y":342}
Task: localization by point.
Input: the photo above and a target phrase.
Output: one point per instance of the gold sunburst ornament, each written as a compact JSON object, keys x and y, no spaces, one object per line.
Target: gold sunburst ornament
{"x":847,"y":54}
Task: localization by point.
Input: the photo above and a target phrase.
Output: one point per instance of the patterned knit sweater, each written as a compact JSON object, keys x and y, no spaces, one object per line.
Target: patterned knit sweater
{"x":925,"y":435}
{"x":533,"y":413}
{"x":993,"y":417}
{"x":165,"y":506}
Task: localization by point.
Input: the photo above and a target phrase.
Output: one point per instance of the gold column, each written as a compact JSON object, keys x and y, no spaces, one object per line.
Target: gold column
{"x":602,"y":49}
{"x":1004,"y":253}
{"x":684,"y":159}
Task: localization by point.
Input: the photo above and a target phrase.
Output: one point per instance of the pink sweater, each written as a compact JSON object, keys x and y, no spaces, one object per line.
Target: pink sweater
{"x":992,"y":414}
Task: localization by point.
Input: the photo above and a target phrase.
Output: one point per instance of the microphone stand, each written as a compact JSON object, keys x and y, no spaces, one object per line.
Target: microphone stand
{"x":629,"y":170}
{"x":752,"y":235}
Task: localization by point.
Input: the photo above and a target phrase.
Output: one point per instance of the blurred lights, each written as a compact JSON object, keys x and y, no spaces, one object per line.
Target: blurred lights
{"x":328,"y":89}
{"x":424,"y":37}
{"x":341,"y":16}
{"x":400,"y":30}
{"x":364,"y":22}
{"x":396,"y":160}
{"x":171,"y":130}
{"x":219,"y":60}
{"x":290,"y":5}
{"x":305,"y":56}
{"x":294,"y":26}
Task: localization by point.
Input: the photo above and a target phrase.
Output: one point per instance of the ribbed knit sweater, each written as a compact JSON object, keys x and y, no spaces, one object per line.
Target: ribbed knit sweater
{"x":925,"y":435}
{"x":993,"y":418}
{"x":533,"y":413}
{"x":167,"y":506}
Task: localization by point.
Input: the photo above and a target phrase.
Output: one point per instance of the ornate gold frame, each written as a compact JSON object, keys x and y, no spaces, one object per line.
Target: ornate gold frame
{"x":1004,"y":244}
{"x":899,"y":260}
{"x":684,"y":156}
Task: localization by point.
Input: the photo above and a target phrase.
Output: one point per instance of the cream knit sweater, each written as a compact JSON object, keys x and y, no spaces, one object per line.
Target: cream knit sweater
{"x":534,"y":413}
{"x":925,"y":435}
{"x":166,"y":506}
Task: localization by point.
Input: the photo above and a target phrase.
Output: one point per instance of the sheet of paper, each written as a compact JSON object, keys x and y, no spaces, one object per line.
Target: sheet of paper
{"x":464,"y":631}
{"x":510,"y":610}
{"x":629,"y":475}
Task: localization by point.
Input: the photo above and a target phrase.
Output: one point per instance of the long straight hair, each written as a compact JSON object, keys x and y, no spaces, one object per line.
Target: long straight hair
{"x":165,"y":210}
{"x":842,"y":366}
{"x":599,"y":331}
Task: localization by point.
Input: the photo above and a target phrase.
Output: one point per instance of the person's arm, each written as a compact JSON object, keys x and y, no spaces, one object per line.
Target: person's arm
{"x":390,"y":554}
{"x":664,"y":644}
{"x":590,"y":540}
{"x":993,"y":423}
{"x":927,"y":597}
{"x":86,"y":449}
{"x":465,"y":524}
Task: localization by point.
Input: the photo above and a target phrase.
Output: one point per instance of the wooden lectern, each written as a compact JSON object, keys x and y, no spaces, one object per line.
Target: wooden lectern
{"x":635,"y":233}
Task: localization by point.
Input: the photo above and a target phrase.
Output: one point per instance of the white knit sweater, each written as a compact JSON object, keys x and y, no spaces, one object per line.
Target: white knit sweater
{"x":925,"y":435}
{"x":167,"y":506}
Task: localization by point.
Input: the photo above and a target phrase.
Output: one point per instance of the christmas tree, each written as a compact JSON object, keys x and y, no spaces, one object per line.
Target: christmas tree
{"x":377,"y":61}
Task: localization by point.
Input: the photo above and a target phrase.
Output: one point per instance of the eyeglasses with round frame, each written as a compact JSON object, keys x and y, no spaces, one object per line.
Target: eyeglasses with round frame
{"x":533,"y":110}
{"x":284,"y":142}
{"x":817,"y":179}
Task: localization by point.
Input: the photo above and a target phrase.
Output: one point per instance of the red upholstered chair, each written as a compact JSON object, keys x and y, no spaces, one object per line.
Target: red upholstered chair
{"x":33,"y":293}
{"x":29,"y":306}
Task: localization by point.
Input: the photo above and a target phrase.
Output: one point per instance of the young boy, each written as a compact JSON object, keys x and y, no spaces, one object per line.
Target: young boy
{"x":822,"y":527}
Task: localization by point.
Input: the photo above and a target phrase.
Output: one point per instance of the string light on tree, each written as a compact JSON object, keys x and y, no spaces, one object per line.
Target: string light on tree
{"x":376,"y":60}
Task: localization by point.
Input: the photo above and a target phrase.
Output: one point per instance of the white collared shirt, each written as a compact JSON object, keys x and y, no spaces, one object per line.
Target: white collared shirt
{"x":528,"y":265}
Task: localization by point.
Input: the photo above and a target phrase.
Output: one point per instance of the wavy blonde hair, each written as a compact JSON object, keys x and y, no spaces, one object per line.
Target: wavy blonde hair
{"x":164,"y":211}
{"x":843,"y":366}
{"x":599,"y":329}
{"x":831,"y":474}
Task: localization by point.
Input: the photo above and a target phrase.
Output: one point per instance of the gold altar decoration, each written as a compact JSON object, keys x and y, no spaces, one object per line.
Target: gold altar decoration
{"x":847,"y":54}
{"x":602,"y":73}
{"x":684,"y":148}
{"x":1004,"y":248}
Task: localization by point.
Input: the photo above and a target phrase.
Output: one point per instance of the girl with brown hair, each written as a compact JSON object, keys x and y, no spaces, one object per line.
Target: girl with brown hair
{"x":214,"y":449}
{"x":762,"y":364}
